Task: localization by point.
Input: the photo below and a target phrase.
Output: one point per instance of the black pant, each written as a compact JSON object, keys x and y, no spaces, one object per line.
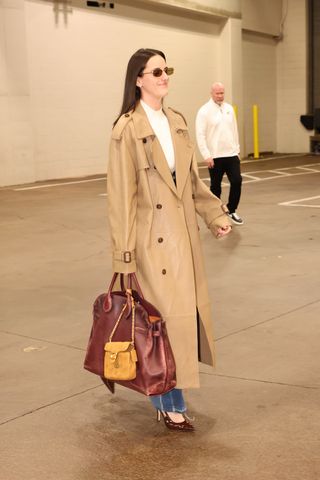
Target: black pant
{"x":230,"y":166}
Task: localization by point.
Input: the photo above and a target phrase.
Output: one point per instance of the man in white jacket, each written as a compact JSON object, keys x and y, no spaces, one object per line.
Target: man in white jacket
{"x":218,"y":142}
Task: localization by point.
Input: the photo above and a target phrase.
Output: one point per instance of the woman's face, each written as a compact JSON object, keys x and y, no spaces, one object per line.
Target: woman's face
{"x":153,"y":89}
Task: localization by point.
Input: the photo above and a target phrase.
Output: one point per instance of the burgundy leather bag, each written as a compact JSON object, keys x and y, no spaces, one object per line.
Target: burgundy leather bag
{"x":156,"y":371}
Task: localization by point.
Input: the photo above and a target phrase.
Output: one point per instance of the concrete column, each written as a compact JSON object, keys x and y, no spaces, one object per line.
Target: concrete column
{"x":292,"y":79}
{"x":16,"y":142}
{"x":230,"y":68}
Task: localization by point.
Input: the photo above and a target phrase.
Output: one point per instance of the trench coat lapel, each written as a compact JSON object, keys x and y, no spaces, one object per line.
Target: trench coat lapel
{"x":153,"y":148}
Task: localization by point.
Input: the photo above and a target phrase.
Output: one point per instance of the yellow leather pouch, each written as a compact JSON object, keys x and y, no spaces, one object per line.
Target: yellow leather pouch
{"x":120,"y":361}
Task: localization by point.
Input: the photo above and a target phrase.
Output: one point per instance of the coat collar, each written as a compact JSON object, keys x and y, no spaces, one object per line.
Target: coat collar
{"x":143,"y":128}
{"x":180,"y":140}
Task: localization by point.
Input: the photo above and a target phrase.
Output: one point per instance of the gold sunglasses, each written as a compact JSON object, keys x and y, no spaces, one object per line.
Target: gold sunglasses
{"x":157,"y":72}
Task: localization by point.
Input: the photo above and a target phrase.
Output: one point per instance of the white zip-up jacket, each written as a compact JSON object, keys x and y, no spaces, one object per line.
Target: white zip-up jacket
{"x":217,"y":131}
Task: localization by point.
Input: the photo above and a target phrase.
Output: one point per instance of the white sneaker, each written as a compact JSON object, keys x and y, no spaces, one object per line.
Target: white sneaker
{"x":235,"y":218}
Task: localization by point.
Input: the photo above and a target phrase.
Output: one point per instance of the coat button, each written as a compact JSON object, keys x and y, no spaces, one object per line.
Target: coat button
{"x":160,"y":239}
{"x":164,"y":271}
{"x":193,"y":196}
{"x":144,"y":140}
{"x":159,"y":205}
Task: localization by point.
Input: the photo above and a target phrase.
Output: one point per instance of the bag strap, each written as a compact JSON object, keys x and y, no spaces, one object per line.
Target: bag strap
{"x":129,"y":294}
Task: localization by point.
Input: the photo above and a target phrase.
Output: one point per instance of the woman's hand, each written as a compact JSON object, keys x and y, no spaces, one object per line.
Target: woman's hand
{"x":222,"y":231}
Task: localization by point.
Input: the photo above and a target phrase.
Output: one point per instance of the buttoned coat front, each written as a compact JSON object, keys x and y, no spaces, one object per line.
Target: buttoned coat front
{"x":155,"y":233}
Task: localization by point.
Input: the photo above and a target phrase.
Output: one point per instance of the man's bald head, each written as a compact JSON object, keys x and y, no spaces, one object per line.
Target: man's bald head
{"x":217,"y":92}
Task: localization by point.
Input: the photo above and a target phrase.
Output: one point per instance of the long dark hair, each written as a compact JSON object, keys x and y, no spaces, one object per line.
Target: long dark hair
{"x":136,"y":65}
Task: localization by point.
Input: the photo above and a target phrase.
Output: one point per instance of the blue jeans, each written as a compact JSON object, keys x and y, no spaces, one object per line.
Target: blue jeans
{"x":172,"y":401}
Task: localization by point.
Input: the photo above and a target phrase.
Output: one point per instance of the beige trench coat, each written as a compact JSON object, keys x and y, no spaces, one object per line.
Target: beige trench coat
{"x":155,"y":233}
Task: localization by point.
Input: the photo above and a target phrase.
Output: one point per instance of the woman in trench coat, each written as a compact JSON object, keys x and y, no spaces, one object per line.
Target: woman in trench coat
{"x":154,"y":194}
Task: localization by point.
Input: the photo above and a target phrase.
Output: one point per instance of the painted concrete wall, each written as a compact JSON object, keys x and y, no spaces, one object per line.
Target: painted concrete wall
{"x":259,"y":88}
{"x":275,"y":78}
{"x":76,"y":64}
{"x":16,"y":126}
{"x":62,"y":73}
{"x":228,"y":8}
{"x":263,"y":16}
{"x":292,"y":80}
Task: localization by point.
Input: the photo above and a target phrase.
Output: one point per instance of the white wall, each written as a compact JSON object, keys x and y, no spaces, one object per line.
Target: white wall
{"x":16,"y":136}
{"x":213,"y":7}
{"x":76,"y":66}
{"x":292,"y":80}
{"x":275,"y":77}
{"x":62,"y":74}
{"x":263,"y":16}
{"x":259,"y":87}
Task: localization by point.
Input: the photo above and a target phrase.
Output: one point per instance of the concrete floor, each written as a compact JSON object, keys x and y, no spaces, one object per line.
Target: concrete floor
{"x":257,"y":415}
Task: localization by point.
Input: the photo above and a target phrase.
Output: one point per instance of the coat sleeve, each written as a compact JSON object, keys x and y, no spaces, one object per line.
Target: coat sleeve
{"x":122,"y":202}
{"x":207,"y":205}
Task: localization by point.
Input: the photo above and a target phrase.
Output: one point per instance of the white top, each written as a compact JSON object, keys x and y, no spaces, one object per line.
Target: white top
{"x":217,"y":131}
{"x":161,"y":128}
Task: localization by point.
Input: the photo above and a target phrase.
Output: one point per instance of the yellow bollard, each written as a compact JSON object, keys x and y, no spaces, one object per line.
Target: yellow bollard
{"x":255,"y":131}
{"x":235,"y":109}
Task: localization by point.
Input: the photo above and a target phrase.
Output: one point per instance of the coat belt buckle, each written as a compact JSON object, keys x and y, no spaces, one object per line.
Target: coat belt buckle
{"x":127,"y":257}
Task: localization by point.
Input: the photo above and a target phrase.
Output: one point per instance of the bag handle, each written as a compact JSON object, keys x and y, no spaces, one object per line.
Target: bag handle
{"x":132,"y":279}
{"x":132,"y":282}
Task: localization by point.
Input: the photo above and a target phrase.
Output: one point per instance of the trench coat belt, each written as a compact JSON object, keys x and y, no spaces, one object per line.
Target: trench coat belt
{"x":125,"y":256}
